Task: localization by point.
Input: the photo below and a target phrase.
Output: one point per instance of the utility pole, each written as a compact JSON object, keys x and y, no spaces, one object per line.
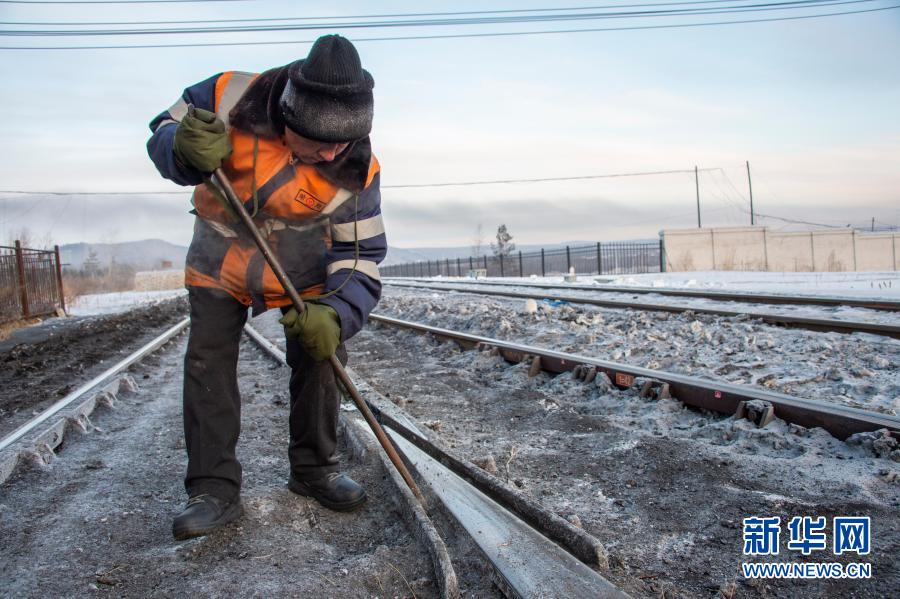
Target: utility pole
{"x":750,"y":185}
{"x":697,"y":183}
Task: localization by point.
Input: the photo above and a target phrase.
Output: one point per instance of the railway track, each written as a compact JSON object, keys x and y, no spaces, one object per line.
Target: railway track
{"x":36,"y":435}
{"x":814,"y":324}
{"x":725,"y":398}
{"x":532,"y":552}
{"x":728,"y":296}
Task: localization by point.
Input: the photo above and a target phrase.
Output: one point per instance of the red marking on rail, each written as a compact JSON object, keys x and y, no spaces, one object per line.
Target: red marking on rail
{"x":624,"y":380}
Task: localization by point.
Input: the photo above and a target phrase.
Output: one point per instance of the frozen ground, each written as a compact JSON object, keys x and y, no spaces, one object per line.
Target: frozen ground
{"x":858,"y":370}
{"x":664,"y":487}
{"x":123,"y":301}
{"x":881,"y":285}
{"x":844,"y":313}
{"x":97,"y":521}
{"x":43,"y":363}
{"x":856,"y":284}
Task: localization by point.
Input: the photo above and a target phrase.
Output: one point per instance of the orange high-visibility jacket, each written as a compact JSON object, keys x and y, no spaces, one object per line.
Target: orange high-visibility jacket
{"x":315,"y":217}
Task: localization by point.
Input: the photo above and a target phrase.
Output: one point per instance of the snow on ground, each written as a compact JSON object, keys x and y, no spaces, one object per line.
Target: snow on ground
{"x":856,"y":284}
{"x":881,"y":285}
{"x":123,"y":301}
{"x":845,"y":313}
{"x":859,"y":370}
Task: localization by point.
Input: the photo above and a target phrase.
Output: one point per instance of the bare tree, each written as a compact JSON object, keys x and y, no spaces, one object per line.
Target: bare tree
{"x":504,"y":245}
{"x":30,"y":240}
{"x":478,"y":241}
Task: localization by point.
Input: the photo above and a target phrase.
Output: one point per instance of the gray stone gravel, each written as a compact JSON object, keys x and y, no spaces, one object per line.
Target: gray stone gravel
{"x":858,"y":370}
{"x":664,"y":487}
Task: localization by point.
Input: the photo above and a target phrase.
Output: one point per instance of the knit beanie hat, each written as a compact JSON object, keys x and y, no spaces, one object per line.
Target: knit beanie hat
{"x":328,"y":96}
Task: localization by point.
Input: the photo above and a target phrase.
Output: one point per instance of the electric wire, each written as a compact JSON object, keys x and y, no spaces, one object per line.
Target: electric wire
{"x":402,"y":186}
{"x":503,"y":20}
{"x":538,"y":180}
{"x":374,"y":16}
{"x":456,"y":36}
{"x":114,"y":1}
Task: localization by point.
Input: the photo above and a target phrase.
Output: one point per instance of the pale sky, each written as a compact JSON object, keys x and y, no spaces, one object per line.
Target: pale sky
{"x":811,"y":104}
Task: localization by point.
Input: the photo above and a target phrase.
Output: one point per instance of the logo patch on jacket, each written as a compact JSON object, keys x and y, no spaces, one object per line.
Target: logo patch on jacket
{"x":309,"y":200}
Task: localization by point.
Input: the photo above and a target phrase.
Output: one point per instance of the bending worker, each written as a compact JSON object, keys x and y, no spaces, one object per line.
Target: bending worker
{"x":294,"y":141}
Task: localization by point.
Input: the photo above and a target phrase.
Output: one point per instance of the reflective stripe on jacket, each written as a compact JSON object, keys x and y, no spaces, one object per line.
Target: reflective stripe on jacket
{"x":310,"y":222}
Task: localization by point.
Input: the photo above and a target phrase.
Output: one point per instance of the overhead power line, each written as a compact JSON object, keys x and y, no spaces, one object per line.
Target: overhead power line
{"x":458,"y":35}
{"x":542,"y":179}
{"x":112,"y":1}
{"x":376,"y":16}
{"x":403,"y":186}
{"x":443,"y":22}
{"x":381,"y":16}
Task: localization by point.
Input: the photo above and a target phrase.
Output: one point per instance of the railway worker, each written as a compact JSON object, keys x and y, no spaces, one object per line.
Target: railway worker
{"x":294,"y":141}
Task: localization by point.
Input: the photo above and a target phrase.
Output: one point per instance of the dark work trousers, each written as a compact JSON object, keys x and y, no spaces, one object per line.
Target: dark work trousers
{"x":212,"y":402}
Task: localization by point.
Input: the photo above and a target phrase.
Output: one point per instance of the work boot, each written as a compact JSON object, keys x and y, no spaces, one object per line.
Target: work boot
{"x":203,"y":514}
{"x":335,"y":491}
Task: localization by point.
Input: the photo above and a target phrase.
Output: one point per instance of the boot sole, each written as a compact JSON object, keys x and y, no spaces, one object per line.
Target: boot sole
{"x":231,"y":514}
{"x":301,"y":488}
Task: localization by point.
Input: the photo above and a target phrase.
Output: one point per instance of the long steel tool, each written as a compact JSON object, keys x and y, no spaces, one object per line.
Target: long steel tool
{"x":221,"y":179}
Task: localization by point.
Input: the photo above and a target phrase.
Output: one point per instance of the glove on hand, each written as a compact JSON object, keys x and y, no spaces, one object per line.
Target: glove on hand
{"x":318,"y":329}
{"x":201,"y":141}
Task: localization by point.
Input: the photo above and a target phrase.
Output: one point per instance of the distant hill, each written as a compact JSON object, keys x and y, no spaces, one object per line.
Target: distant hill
{"x":147,"y":254}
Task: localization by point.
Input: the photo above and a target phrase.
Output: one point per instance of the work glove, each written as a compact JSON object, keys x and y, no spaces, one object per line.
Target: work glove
{"x":201,"y":141}
{"x":318,"y":329}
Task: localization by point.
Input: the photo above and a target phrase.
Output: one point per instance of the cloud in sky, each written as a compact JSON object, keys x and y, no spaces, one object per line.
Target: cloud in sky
{"x":811,"y":109}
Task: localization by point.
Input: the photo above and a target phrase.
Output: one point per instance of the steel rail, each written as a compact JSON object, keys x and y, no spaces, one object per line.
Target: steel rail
{"x":814,"y":324}
{"x":841,"y":421}
{"x":534,"y":552}
{"x":98,"y":380}
{"x":727,"y":296}
{"x":527,"y":562}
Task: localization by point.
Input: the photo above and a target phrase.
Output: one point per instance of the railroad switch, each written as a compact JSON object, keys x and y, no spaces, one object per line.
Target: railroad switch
{"x":653,"y":389}
{"x":757,"y":411}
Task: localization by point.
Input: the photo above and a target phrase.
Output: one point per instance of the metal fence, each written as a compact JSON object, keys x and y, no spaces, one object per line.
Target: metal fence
{"x":30,"y":282}
{"x":602,"y":258}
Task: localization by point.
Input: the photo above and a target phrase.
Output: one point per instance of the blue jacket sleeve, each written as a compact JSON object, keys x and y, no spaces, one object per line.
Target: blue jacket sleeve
{"x":358,"y":220}
{"x":201,"y":95}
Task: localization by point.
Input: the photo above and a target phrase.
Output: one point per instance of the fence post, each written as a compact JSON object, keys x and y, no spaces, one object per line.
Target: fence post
{"x":543,"y":268}
{"x":485,"y":264}
{"x":568,"y":260}
{"x":471,"y":266}
{"x":662,"y":254}
{"x":521,"y":272}
{"x":448,"y":267}
{"x":599,"y":259}
{"x":429,"y":268}
{"x":59,"y":283}
{"x":23,"y":286}
{"x":501,"y":265}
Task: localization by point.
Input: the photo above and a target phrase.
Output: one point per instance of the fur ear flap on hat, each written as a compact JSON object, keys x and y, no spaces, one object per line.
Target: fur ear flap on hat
{"x":328,"y":96}
{"x":258,"y":110}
